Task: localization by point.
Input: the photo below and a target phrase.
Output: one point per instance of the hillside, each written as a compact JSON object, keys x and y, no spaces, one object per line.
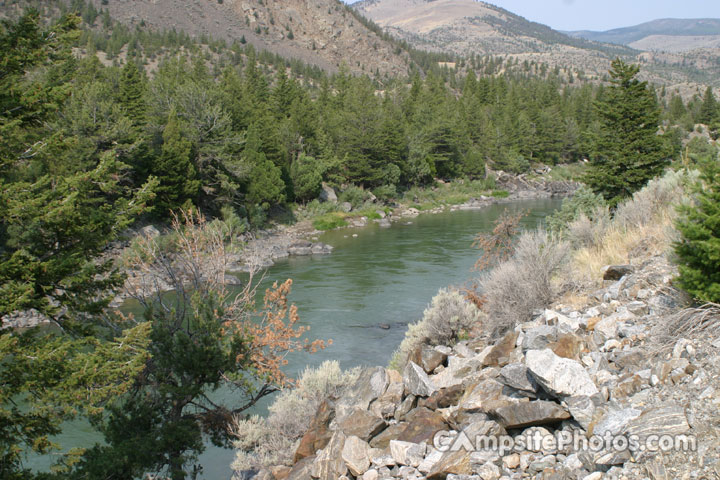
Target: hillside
{"x":670,"y":34}
{"x":470,"y":27}
{"x":324,"y":33}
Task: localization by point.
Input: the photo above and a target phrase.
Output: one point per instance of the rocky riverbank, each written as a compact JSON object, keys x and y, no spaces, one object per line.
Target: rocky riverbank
{"x":609,"y":389}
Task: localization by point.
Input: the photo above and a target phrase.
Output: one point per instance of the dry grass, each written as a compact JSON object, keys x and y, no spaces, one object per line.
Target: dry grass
{"x":702,"y":322}
{"x":641,"y":227}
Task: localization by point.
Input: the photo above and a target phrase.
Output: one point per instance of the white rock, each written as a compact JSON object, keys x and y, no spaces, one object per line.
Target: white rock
{"x":407,"y":453}
{"x":371,"y":474}
{"x":560,"y":377}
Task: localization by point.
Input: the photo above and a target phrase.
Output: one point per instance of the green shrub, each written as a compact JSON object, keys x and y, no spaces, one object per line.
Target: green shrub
{"x":356,"y":196}
{"x":330,"y":221}
{"x":584,"y":202}
{"x":500,"y":193}
{"x":385,"y":193}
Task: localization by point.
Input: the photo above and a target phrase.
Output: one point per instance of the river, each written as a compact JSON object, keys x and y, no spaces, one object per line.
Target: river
{"x":381,"y":277}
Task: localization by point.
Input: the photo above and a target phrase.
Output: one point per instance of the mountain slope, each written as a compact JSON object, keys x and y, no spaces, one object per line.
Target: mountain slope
{"x":464,"y":26}
{"x":668,"y":27}
{"x":320,"y":32}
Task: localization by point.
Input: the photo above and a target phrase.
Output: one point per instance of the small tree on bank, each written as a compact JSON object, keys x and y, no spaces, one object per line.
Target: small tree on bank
{"x":204,"y":336}
{"x":627,"y":151}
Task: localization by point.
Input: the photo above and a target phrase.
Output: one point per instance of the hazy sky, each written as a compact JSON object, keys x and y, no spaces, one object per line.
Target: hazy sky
{"x":605,"y":14}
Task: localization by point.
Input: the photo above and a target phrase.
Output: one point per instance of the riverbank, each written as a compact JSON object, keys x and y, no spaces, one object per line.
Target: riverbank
{"x":300,"y":239}
{"x":615,"y":354}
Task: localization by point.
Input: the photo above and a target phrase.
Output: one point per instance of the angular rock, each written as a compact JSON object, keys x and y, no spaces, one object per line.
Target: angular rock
{"x":582,"y":409}
{"x":390,"y":433}
{"x":407,"y":453}
{"x":431,"y":458}
{"x":422,"y":425}
{"x":443,"y":398}
{"x":539,"y":338}
{"x":567,"y":345}
{"x":612,"y":420}
{"x":527,"y":414}
{"x":417,"y":381}
{"x":362,"y":424}
{"x":386,"y":405}
{"x":456,"y":463}
{"x":560,"y":377}
{"x":485,"y":396}
{"x":370,"y":385}
{"x":302,"y":470}
{"x":318,"y":434}
{"x":500,"y":353}
{"x":516,"y":375}
{"x":406,"y":406}
{"x":356,"y":454}
{"x":328,"y":464}
{"x":428,"y":358}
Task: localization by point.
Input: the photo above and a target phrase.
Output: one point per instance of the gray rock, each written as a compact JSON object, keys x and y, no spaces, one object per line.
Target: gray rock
{"x":428,"y":358}
{"x":327,"y":194}
{"x":516,"y":375}
{"x":417,"y":381}
{"x":321,"y":249}
{"x":560,"y":377}
{"x":356,"y":454}
{"x":614,"y":421}
{"x":670,"y":420}
{"x":582,"y":409}
{"x":346,"y":207}
{"x":370,"y":385}
{"x":384,"y":223}
{"x":362,"y":424}
{"x":539,"y":338}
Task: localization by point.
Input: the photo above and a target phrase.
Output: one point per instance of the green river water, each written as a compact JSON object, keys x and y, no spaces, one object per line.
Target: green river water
{"x":384,"y":276}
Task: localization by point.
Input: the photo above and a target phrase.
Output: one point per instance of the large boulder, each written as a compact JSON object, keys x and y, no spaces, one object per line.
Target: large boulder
{"x":327,"y":194}
{"x":560,"y":377}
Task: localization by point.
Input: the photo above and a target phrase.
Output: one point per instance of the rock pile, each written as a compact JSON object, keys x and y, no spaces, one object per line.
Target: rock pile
{"x":576,"y":393}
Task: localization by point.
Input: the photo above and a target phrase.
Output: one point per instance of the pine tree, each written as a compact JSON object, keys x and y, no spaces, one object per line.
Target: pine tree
{"x":132,"y":93}
{"x":699,"y":250}
{"x":266,"y":185}
{"x":306,"y":174}
{"x":709,"y":108}
{"x":628,"y":151}
{"x":174,"y":168}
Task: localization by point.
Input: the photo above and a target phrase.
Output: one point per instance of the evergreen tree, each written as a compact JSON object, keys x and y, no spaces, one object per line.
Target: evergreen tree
{"x":266,"y":185}
{"x":132,"y":93}
{"x":306,"y":173}
{"x":699,"y":250}
{"x":709,"y":108}
{"x":174,"y":168}
{"x":628,"y":151}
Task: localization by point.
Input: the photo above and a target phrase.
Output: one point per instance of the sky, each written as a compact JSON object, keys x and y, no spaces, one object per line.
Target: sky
{"x":605,"y":14}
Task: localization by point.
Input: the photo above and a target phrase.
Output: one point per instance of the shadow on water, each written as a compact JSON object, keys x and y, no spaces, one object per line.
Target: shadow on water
{"x":365,"y":294}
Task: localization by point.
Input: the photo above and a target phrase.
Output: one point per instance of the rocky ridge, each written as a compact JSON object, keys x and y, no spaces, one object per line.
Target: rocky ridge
{"x":579,"y":374}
